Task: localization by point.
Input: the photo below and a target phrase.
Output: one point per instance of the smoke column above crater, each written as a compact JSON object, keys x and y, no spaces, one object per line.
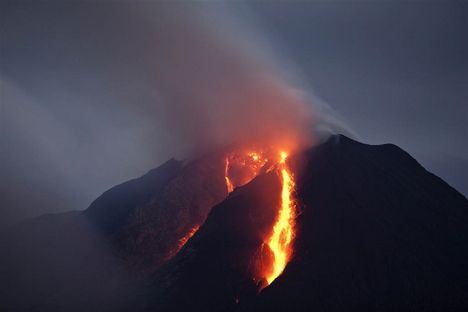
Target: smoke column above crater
{"x":111,"y":90}
{"x":221,"y":82}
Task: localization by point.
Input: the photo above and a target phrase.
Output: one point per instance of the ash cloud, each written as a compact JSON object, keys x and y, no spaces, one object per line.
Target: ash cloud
{"x":222,"y":81}
{"x":96,"y":93}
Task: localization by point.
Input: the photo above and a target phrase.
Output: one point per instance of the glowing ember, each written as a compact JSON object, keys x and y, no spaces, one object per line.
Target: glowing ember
{"x":241,"y":167}
{"x":187,"y":236}
{"x":229,"y":185}
{"x":184,"y":239}
{"x":280,"y":242}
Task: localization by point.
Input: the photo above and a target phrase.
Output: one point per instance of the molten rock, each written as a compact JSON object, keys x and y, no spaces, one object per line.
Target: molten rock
{"x":373,"y":231}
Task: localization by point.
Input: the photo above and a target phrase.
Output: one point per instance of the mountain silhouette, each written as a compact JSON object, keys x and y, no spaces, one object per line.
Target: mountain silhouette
{"x":375,"y":230}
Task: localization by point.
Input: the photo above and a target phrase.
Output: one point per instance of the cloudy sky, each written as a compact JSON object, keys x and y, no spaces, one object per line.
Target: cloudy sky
{"x":81,"y":84}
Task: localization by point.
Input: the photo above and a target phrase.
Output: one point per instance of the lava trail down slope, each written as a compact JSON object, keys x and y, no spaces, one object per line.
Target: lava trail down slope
{"x":373,"y":230}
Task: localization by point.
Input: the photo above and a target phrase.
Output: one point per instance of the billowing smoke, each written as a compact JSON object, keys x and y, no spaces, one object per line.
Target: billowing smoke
{"x":223,"y":81}
{"x":111,"y":91}
{"x":97,"y":93}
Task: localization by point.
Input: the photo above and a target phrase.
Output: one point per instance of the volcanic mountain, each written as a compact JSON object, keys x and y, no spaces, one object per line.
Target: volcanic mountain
{"x":372,"y":230}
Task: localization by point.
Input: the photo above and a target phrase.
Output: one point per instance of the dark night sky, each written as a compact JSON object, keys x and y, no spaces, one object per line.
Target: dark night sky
{"x":80,"y":106}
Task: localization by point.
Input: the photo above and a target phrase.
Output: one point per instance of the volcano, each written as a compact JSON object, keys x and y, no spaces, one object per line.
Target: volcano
{"x":371,"y":229}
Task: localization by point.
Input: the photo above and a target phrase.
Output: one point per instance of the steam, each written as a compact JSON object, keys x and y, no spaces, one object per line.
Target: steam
{"x":222,"y":82}
{"x":111,"y":90}
{"x":114,"y":89}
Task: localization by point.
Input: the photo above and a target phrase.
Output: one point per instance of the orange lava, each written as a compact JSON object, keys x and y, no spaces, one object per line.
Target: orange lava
{"x":181,"y":242}
{"x":229,"y":185}
{"x":187,"y":236}
{"x":280,"y":241}
{"x":241,"y":167}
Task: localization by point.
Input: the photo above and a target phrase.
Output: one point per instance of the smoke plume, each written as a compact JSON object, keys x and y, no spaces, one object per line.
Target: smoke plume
{"x":110,"y":90}
{"x":222,"y":81}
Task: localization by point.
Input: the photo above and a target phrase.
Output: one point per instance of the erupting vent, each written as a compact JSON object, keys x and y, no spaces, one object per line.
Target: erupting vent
{"x":242,"y":167}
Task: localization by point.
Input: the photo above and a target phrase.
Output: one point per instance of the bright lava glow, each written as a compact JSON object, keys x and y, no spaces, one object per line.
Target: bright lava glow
{"x":239,"y":169}
{"x":280,"y":241}
{"x":229,"y":185}
{"x":182,"y":241}
{"x":242,"y":167}
{"x":187,"y":236}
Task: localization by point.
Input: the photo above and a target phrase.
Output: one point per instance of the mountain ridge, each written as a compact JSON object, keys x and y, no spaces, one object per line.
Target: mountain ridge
{"x":375,"y":230}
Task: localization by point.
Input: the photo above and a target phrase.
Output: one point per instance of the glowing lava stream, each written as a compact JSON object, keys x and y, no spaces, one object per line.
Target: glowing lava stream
{"x":229,"y":185}
{"x":184,"y":239}
{"x":280,"y":241}
{"x":281,"y":237}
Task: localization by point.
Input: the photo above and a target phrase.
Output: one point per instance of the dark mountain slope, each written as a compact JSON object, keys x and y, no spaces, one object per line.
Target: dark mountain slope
{"x":111,"y":211}
{"x":93,"y":259}
{"x":215,"y":270}
{"x":147,"y":217}
{"x":377,"y":231}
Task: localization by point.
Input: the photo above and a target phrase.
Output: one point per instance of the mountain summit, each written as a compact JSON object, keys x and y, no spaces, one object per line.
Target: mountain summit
{"x":374,"y":230}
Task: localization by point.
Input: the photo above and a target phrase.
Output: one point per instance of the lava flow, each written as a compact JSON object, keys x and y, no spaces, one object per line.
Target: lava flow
{"x":280,"y":241}
{"x":182,"y":241}
{"x":241,"y":168}
{"x":229,"y":185}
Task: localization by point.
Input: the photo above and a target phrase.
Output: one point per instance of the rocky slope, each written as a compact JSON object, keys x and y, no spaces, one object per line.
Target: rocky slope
{"x":375,"y":231}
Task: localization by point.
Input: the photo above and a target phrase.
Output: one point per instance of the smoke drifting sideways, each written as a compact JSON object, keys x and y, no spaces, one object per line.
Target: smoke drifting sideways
{"x":109,"y":91}
{"x":97,"y":93}
{"x":223,"y":81}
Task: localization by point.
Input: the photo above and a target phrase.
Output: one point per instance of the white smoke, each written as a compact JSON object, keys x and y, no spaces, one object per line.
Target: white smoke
{"x":223,"y":80}
{"x":94,"y":94}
